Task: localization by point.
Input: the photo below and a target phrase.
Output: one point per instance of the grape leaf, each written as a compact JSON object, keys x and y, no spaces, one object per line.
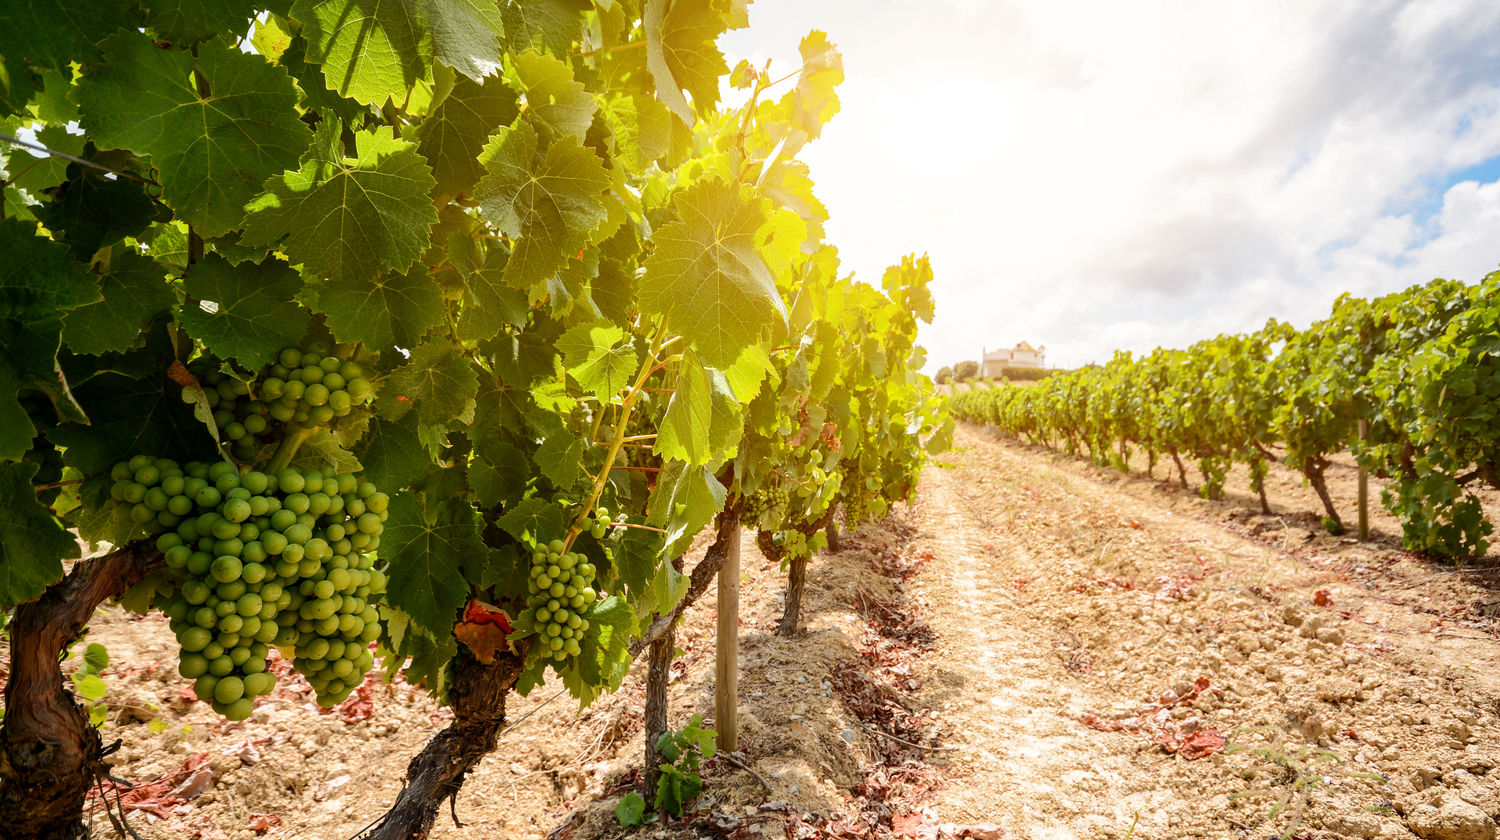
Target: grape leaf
{"x":602,"y":665}
{"x":490,"y":305}
{"x":534,"y":520}
{"x":344,"y":218}
{"x":89,"y":211}
{"x":548,"y":202}
{"x":131,"y":416}
{"x":38,"y":284}
{"x":394,"y":457}
{"x":553,"y":97}
{"x":702,"y":420}
{"x":32,"y":543}
{"x":707,"y":277}
{"x":135,"y":291}
{"x":428,"y":547}
{"x":89,"y":687}
{"x":252,"y":317}
{"x":642,"y":128}
{"x":484,"y":630}
{"x":596,"y":358}
{"x":370,"y":50}
{"x":214,"y":150}
{"x":559,"y":458}
{"x":681,"y":53}
{"x":183,"y":21}
{"x":686,"y":499}
{"x":34,"y":174}
{"x":384,"y":311}
{"x":322,"y":449}
{"x":553,"y":25}
{"x":498,"y":473}
{"x":465,"y":34}
{"x":51,"y":34}
{"x":437,"y":381}
{"x":454,"y":133}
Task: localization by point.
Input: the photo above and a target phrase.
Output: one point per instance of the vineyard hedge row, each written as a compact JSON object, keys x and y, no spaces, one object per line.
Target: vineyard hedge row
{"x":1420,"y":369}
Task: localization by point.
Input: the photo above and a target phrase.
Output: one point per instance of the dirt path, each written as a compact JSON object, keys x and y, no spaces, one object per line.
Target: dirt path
{"x":1059,"y":596}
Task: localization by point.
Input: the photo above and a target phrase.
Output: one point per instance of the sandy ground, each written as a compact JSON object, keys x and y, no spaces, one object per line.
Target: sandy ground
{"x":1036,"y":649}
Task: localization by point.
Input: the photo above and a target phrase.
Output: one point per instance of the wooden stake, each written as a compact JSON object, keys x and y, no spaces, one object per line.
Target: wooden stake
{"x":1364,"y":488}
{"x":727,"y":651}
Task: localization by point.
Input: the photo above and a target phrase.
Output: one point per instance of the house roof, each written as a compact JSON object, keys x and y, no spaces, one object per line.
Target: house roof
{"x":1025,"y":348}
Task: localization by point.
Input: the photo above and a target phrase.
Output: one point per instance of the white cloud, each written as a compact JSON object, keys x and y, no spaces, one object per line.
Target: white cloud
{"x":1101,"y":175}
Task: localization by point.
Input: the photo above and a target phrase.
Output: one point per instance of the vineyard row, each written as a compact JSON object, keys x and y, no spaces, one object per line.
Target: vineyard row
{"x":1409,"y":382}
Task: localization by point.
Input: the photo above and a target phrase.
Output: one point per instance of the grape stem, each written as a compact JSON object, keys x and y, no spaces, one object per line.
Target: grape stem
{"x":618,"y":441}
{"x":288,"y":449}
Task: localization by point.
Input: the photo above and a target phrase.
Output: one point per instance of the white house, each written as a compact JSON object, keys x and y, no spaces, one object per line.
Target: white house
{"x":1022,"y":355}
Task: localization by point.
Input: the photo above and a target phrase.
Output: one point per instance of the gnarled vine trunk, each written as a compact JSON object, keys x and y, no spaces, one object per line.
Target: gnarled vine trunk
{"x":796,"y":582}
{"x":477,"y":697}
{"x":49,"y":753}
{"x":791,"y":613}
{"x":1314,"y":470}
{"x":659,"y":666}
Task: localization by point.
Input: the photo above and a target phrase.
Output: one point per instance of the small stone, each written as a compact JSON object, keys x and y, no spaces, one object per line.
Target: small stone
{"x":1331,"y":636}
{"x":1312,"y":727}
{"x":848,"y":735}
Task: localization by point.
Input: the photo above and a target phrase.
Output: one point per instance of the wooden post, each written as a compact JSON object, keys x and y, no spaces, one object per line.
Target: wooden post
{"x":727,"y":650}
{"x":1364,"y":488}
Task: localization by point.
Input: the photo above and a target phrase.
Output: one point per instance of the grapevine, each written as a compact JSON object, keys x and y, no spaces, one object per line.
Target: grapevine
{"x":458,"y":305}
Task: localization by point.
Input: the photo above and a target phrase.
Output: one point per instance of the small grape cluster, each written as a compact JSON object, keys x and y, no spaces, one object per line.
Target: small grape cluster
{"x":561,"y":589}
{"x":303,"y":389}
{"x":598,"y":525}
{"x":770,"y":500}
{"x":262,"y":560}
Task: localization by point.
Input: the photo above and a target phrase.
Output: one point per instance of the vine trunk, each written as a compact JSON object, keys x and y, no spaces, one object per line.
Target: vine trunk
{"x":49,"y":753}
{"x":436,"y":774}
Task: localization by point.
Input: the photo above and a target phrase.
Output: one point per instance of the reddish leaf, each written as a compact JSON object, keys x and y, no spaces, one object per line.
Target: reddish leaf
{"x":484,"y":629}
{"x":362,"y":705}
{"x":906,"y":825}
{"x":1105,"y":725}
{"x":262,"y":823}
{"x":1200,"y":743}
{"x":1322,"y":598}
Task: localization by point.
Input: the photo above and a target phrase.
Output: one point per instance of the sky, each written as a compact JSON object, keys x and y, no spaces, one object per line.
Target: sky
{"x":1094,"y":176}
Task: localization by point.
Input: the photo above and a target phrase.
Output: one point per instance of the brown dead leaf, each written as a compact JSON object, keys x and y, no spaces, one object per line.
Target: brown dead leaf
{"x":1202,"y":742}
{"x":262,"y":823}
{"x":484,"y":629}
{"x":1322,"y":598}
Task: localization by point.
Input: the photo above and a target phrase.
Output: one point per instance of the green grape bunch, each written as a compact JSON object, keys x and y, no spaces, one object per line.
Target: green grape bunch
{"x":766,"y":506}
{"x":258,"y":560}
{"x":560,"y":592}
{"x":302,"y":389}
